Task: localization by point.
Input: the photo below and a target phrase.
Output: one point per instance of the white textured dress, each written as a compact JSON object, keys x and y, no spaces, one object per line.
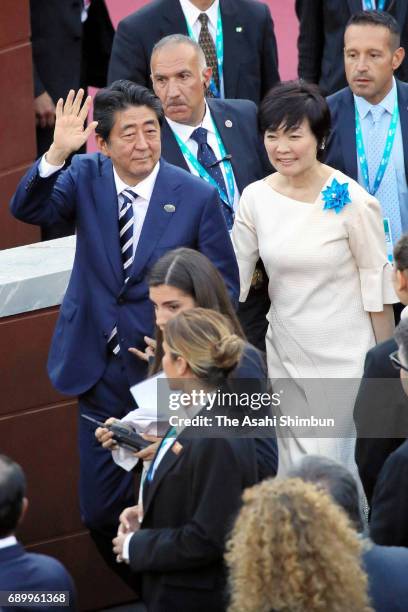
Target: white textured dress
{"x":326,"y":271}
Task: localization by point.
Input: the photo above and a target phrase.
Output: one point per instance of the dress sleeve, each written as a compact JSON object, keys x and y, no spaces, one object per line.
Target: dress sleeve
{"x":245,"y":240}
{"x":367,"y":243}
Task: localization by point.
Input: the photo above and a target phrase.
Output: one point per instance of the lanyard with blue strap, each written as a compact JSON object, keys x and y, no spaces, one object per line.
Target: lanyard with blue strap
{"x":219,"y":49}
{"x":169,"y":438}
{"x":369,"y":6}
{"x":227,"y":198}
{"x":381,"y":168}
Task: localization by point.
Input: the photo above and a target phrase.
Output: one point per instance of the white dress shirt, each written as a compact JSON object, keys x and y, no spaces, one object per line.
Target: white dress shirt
{"x":184,"y":133}
{"x":144,"y":190}
{"x":191,"y":14}
{"x":8,"y":541}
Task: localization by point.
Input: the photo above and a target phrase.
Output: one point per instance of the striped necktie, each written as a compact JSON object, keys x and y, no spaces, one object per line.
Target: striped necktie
{"x":126,"y":220}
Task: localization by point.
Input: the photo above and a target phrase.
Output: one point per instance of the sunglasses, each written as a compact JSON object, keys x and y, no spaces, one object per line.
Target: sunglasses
{"x":396,"y":362}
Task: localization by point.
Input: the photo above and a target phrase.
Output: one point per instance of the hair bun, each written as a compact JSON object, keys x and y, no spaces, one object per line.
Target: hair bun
{"x":227,"y":352}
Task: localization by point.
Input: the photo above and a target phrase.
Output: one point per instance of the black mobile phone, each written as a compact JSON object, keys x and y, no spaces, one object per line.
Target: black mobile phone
{"x":123,"y":434}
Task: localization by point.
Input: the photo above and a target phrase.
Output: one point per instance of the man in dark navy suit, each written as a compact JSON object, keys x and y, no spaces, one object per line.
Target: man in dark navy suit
{"x":372,"y":53}
{"x":130,"y":207}
{"x":181,"y":78}
{"x":243,"y":50}
{"x":381,"y":410}
{"x":321,"y":38}
{"x":20,"y":570}
{"x":389,"y":525}
{"x":385,"y":565}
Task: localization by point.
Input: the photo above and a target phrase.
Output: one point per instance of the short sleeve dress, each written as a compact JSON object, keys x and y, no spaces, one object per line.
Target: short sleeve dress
{"x":327,"y":270}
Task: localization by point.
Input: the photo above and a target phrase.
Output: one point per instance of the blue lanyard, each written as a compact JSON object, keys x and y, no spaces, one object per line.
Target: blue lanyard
{"x":168,"y":439}
{"x":387,"y":150}
{"x":227,"y":198}
{"x":219,"y":48}
{"x":368,"y":5}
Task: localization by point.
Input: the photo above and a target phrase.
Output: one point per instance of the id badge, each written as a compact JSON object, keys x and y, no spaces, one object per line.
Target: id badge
{"x":388,"y":240}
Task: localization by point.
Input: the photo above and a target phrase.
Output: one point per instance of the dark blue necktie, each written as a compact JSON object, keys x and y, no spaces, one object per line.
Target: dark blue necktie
{"x":206,"y":157}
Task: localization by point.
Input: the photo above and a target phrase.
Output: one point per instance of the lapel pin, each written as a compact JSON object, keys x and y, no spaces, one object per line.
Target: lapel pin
{"x":238,"y":29}
{"x":170,"y":208}
{"x":228,"y":123}
{"x":177,"y":448}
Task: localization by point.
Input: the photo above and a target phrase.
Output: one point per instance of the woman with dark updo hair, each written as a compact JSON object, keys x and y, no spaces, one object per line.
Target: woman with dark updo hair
{"x":321,"y":239}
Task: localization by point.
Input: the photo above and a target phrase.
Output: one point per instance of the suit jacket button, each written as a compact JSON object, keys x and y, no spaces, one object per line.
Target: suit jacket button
{"x":121,"y":300}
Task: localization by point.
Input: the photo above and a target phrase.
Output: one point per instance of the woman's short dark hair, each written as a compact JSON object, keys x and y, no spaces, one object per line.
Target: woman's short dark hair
{"x":192,"y":273}
{"x":288,"y":104}
{"x":118,"y":97}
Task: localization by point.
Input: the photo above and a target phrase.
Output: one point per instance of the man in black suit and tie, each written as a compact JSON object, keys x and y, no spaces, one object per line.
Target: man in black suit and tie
{"x":20,"y":570}
{"x":389,"y":509}
{"x":217,"y":140}
{"x":71,"y":44}
{"x":321,"y":34}
{"x":237,"y":37}
{"x":381,"y":410}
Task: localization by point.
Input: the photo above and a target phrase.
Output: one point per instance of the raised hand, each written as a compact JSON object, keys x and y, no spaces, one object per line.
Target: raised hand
{"x":70,"y":133}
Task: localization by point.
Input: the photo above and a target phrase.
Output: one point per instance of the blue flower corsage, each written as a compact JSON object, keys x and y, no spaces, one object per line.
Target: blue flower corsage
{"x":336,"y":196}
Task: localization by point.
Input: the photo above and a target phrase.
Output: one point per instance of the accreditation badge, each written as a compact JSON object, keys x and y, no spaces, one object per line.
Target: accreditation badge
{"x":388,"y":240}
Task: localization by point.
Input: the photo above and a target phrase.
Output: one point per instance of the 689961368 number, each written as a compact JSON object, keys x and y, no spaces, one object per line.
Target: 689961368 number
{"x":34,"y":598}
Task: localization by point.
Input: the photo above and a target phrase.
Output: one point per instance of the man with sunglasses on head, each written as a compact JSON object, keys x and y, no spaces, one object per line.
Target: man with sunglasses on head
{"x":389,"y":511}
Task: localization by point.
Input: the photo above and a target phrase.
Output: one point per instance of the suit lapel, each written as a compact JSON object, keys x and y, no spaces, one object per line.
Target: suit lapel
{"x":168,"y":461}
{"x":173,"y":20}
{"x":403,"y":111}
{"x":347,"y":132}
{"x":170,"y":149}
{"x":230,"y":136}
{"x":157,"y":218}
{"x":106,"y":201}
{"x":401,"y":12}
{"x":232,"y":43}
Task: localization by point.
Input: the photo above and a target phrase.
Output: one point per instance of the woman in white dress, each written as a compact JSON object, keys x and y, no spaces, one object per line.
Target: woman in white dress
{"x":321,"y":238}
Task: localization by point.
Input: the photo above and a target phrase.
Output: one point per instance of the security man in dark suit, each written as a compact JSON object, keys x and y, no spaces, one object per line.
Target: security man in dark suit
{"x":20,"y":570}
{"x":389,"y":525}
{"x":381,"y":411}
{"x":237,"y":37}
{"x":321,"y":34}
{"x":71,"y":43}
{"x":217,"y":140}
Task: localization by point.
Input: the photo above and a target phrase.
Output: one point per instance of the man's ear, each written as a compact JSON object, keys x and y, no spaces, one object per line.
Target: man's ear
{"x":207,"y":74}
{"x":398,"y":57}
{"x":24,"y":507}
{"x":102,"y":145}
